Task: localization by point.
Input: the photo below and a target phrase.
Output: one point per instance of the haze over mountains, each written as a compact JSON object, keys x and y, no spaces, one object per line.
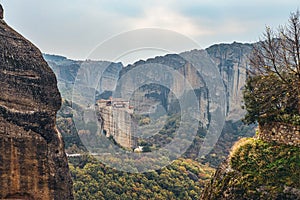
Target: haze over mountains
{"x":230,"y":60}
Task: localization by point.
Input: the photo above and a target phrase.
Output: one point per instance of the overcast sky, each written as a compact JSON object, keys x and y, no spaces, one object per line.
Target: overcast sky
{"x":73,"y":28}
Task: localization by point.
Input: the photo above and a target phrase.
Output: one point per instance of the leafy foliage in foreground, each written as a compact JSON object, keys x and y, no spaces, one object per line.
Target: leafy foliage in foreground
{"x":257,"y":170}
{"x":265,"y":169}
{"x":183,"y":179}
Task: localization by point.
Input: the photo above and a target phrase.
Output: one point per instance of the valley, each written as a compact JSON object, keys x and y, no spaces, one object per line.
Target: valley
{"x":216,"y":123}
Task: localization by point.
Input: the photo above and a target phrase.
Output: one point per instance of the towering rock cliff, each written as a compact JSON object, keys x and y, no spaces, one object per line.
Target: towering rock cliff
{"x":232,"y":61}
{"x":149,"y":95}
{"x":33,"y":164}
{"x":116,"y":117}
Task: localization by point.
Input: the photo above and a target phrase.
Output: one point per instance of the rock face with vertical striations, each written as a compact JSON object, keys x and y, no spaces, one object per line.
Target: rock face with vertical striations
{"x":232,"y":61}
{"x":116,"y":116}
{"x":33,"y":164}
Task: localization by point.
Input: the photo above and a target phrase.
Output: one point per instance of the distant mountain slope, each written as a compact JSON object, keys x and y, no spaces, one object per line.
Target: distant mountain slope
{"x":231,"y":61}
{"x":66,"y":72}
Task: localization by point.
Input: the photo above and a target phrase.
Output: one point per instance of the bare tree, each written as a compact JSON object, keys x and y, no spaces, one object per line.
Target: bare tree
{"x":274,"y":77}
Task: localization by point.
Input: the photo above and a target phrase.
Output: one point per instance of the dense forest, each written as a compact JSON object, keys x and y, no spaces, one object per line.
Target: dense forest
{"x":183,"y":179}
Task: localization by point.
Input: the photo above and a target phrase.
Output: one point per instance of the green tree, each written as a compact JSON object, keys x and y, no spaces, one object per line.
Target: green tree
{"x":272,"y":90}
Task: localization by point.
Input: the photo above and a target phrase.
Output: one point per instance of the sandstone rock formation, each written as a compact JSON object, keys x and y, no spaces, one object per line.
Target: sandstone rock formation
{"x":232,"y":61}
{"x":169,"y":91}
{"x":116,"y":116}
{"x":33,"y":164}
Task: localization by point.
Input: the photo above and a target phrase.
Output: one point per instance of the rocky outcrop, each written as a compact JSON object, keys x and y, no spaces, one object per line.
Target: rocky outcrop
{"x":163,"y":91}
{"x":116,"y":117}
{"x":232,"y":61}
{"x":33,"y":164}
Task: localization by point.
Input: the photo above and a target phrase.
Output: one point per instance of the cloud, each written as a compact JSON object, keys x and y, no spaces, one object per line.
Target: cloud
{"x":162,"y":17}
{"x":194,"y":27}
{"x":73,"y":28}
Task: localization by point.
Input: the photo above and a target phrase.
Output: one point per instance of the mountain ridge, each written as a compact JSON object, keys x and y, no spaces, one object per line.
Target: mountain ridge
{"x":158,"y":95}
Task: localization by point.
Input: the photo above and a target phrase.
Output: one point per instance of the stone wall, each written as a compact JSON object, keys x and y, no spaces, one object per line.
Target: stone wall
{"x":280,"y":133}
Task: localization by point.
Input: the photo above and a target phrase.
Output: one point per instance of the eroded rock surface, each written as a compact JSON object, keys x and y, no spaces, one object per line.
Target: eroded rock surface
{"x":33,"y":164}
